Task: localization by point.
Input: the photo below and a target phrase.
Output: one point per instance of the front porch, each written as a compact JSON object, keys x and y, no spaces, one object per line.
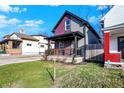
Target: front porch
{"x":11,"y":46}
{"x":65,"y":51}
{"x":114,"y":46}
{"x":67,"y":44}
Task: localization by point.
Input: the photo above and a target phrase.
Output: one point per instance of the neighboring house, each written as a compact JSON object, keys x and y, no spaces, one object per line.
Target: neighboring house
{"x":113,"y":27}
{"x":18,"y":43}
{"x":43,"y":43}
{"x":22,"y":44}
{"x":72,"y":34}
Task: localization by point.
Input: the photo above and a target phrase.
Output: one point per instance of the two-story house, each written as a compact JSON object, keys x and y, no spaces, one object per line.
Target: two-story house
{"x":72,"y":34}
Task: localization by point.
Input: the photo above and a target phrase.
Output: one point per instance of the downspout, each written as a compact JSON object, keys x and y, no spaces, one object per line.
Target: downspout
{"x":84,"y":49}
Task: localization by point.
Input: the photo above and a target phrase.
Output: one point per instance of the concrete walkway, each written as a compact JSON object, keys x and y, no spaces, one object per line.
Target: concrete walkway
{"x":18,"y":59}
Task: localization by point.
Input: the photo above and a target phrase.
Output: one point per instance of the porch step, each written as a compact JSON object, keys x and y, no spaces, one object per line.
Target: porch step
{"x":114,"y":65}
{"x":65,"y":59}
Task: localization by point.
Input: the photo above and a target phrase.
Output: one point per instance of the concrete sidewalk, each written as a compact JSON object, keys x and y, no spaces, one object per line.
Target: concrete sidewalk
{"x":18,"y":59}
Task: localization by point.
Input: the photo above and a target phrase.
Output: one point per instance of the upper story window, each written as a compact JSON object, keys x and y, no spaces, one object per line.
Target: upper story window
{"x":67,"y":25}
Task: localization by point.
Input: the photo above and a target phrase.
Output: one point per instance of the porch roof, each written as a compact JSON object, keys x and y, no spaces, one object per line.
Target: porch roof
{"x":113,"y":28}
{"x":69,"y":35}
{"x":5,"y":40}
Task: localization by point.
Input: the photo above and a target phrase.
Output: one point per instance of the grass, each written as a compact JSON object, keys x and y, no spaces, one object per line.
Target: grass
{"x":31,"y":74}
{"x":93,"y":76}
{"x":28,"y":75}
{"x":35,"y":75}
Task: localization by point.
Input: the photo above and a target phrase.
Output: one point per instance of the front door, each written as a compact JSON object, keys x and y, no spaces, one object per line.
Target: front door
{"x":121,"y":45}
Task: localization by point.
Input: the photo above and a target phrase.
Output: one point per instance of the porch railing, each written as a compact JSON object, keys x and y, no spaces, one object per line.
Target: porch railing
{"x":63,"y":51}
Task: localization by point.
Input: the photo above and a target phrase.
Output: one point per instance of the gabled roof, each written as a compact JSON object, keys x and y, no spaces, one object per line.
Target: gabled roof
{"x":24,"y":36}
{"x":78,"y":18}
{"x":6,"y":36}
{"x":40,"y":35}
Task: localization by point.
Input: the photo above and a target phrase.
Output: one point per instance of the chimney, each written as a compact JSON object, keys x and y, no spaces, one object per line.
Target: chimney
{"x":21,"y":31}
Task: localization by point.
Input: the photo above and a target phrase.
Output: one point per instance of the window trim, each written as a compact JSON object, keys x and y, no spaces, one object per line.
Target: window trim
{"x":67,"y":25}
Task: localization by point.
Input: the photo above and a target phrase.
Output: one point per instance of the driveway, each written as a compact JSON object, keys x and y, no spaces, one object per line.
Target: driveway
{"x":17,"y":59}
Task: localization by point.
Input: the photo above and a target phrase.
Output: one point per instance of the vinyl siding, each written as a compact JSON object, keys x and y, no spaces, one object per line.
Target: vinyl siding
{"x":76,"y":25}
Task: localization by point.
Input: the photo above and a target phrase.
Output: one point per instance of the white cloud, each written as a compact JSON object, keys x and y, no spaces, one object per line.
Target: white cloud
{"x":5,"y":8}
{"x":13,"y":21}
{"x":2,"y":17}
{"x":4,"y":21}
{"x":24,"y":9}
{"x":8,"y":9}
{"x":32,"y":23}
{"x":92,"y":19}
{"x":101,"y":7}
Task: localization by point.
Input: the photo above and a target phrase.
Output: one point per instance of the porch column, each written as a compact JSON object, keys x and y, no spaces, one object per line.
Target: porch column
{"x":48,"y":47}
{"x":0,"y":46}
{"x":75,"y":45}
{"x":106,"y":45}
{"x":10,"y":44}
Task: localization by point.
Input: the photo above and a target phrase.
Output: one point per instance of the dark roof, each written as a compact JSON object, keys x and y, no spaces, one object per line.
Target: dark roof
{"x":24,"y":36}
{"x":6,"y":36}
{"x":10,"y":40}
{"x":40,"y":35}
{"x":66,"y":35}
{"x":80,"y":19}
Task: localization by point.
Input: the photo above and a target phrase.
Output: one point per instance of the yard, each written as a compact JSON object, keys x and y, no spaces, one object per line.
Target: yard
{"x":36,"y":75}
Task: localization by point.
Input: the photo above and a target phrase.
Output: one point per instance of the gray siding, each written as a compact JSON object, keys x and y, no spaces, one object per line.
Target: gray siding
{"x":81,"y":43}
{"x":91,"y":38}
{"x":76,"y":25}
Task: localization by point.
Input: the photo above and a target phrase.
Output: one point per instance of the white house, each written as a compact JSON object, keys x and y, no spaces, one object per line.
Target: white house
{"x":113,"y":23}
{"x":22,"y":44}
{"x":43,"y":43}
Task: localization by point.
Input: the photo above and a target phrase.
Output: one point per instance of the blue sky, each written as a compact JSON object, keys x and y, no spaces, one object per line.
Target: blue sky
{"x":36,"y":19}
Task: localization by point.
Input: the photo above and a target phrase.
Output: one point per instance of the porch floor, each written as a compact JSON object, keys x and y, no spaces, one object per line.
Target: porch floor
{"x":66,"y":59}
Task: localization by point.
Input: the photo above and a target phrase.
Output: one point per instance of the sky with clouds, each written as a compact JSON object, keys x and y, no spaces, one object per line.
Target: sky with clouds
{"x":41,"y":19}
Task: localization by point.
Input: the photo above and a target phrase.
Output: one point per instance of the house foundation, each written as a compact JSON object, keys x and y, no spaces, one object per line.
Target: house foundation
{"x":65,"y":59}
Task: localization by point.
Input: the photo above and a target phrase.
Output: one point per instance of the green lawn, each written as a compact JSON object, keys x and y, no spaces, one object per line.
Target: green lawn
{"x":35,"y":75}
{"x":31,"y":74}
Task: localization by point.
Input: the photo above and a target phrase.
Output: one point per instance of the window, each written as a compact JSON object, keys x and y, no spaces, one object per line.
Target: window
{"x":29,"y":44}
{"x":41,"y":45}
{"x":16,"y":44}
{"x":67,"y":25}
{"x":61,"y":44}
{"x":102,"y":24}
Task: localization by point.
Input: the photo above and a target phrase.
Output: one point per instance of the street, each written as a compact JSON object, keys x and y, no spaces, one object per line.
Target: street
{"x":17,"y":59}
